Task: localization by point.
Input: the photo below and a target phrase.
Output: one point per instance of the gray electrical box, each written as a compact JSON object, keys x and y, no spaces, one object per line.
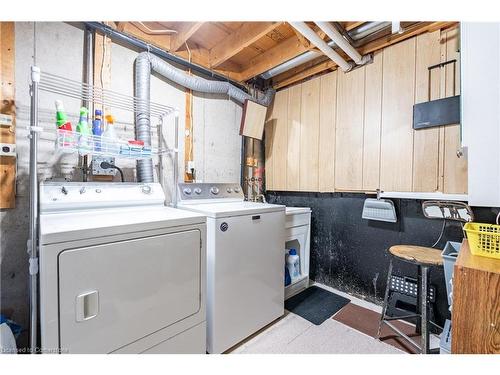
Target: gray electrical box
{"x":96,"y":166}
{"x":437,"y":113}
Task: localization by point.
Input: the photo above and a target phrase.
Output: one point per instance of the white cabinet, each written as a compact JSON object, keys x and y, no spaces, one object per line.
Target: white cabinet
{"x":480,"y":77}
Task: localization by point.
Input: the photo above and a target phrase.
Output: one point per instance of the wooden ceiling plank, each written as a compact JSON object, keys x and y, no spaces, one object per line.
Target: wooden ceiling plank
{"x":186,"y":31}
{"x":235,"y":42}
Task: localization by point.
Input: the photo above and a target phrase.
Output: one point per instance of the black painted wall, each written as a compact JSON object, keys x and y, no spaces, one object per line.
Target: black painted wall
{"x":350,"y":253}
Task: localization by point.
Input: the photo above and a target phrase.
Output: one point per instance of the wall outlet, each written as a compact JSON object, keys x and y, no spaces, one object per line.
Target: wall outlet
{"x":96,"y":166}
{"x":7,"y":149}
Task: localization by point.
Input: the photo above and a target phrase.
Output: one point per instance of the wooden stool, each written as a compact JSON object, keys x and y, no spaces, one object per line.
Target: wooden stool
{"x":424,"y":258}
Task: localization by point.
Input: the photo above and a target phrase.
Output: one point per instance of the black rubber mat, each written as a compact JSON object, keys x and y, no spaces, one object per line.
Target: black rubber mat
{"x":315,"y":304}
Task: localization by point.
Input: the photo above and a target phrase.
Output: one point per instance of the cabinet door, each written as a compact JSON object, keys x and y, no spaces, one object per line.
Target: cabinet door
{"x":293,"y":138}
{"x":372,"y":123}
{"x":327,"y":111}
{"x":455,"y":165}
{"x":426,"y":141}
{"x":396,"y":156}
{"x":113,"y":294}
{"x":349,"y":130}
{"x":309,"y":136}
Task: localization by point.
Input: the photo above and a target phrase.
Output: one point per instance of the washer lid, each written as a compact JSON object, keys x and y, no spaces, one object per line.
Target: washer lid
{"x":76,"y":225}
{"x":235,"y":208}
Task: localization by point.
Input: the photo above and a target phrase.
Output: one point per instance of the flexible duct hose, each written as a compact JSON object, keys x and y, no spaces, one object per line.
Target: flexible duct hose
{"x":144,"y":64}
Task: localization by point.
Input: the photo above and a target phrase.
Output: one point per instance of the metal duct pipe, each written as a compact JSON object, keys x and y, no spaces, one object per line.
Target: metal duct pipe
{"x":314,"y":38}
{"x":343,"y":44}
{"x":144,"y":64}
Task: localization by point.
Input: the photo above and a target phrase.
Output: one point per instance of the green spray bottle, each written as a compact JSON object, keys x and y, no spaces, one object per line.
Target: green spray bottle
{"x":83,"y":130}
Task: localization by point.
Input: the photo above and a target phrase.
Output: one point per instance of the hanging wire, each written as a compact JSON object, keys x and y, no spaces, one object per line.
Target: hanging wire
{"x":441,"y":234}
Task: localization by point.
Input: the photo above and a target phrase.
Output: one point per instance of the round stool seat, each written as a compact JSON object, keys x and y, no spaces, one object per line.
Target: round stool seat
{"x":426,"y":256}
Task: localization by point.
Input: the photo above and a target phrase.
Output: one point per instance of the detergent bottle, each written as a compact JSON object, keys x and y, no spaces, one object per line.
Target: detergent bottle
{"x":110,"y":140}
{"x":97,"y":129}
{"x":293,"y":264}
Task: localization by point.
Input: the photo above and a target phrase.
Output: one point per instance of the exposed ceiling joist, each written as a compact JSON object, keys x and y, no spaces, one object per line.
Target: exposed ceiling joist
{"x":274,"y":56}
{"x":185,"y":32}
{"x":246,"y":35}
{"x":161,"y":41}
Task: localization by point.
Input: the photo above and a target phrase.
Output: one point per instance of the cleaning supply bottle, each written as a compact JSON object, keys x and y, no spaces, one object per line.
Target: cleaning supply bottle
{"x":110,"y":141}
{"x":293,"y":264}
{"x":61,"y":118}
{"x":82,"y":128}
{"x":97,"y":129}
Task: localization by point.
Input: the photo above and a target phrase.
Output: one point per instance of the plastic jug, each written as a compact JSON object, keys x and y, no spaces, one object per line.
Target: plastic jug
{"x":293,"y":264}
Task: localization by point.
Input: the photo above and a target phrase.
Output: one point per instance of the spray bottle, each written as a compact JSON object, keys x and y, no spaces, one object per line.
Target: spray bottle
{"x":82,"y":128}
{"x":61,"y":118}
{"x":109,"y":139}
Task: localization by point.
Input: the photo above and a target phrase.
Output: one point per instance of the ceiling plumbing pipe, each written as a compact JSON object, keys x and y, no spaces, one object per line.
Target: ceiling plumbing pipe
{"x":118,"y":36}
{"x":343,"y":44}
{"x":147,"y":63}
{"x":356,"y":34}
{"x":314,"y":38}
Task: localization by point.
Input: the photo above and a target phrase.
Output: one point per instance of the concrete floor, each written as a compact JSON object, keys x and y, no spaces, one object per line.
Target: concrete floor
{"x":293,"y":334}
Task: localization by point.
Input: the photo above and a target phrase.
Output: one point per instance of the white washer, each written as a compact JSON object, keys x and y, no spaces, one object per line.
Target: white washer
{"x":245,"y":270}
{"x":119,"y":271}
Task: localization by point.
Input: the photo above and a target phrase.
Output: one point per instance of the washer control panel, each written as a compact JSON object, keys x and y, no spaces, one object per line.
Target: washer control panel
{"x":190,"y":191}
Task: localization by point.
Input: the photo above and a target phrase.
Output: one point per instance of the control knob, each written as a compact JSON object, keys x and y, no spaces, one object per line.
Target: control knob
{"x":187,"y":191}
{"x":197,"y":191}
{"x":214,"y":190}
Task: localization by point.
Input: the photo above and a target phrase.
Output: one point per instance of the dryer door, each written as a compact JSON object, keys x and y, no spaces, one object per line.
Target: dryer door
{"x":113,"y":294}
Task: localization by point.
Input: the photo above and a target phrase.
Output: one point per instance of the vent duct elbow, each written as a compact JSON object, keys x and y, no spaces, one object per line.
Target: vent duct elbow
{"x":147,"y":63}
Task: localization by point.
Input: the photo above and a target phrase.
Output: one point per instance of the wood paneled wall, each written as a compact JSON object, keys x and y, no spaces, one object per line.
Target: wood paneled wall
{"x":353,"y":131}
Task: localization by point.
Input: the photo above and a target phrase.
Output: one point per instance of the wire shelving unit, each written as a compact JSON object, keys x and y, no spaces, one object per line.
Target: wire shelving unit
{"x":74,"y":142}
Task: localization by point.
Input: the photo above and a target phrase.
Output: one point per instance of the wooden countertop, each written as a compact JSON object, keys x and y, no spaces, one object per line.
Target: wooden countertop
{"x":467,"y":260}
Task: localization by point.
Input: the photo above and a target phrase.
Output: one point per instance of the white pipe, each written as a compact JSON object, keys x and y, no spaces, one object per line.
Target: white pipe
{"x":314,"y":38}
{"x":337,"y":37}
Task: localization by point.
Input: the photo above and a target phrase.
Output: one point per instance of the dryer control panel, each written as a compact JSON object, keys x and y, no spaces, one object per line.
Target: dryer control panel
{"x":71,"y":196}
{"x":197,"y":190}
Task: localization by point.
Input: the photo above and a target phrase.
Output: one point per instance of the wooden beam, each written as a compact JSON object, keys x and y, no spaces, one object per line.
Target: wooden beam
{"x":102,"y":64}
{"x":186,"y":31}
{"x":274,"y":56}
{"x":7,"y":106}
{"x":160,"y":41}
{"x":234,"y":43}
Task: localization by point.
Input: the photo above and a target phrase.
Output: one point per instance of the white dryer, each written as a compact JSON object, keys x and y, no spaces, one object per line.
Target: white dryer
{"x":245,"y":269}
{"x":119,"y":271}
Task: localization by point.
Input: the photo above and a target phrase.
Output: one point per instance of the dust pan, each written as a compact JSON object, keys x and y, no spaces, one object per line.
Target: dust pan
{"x":379,"y":209}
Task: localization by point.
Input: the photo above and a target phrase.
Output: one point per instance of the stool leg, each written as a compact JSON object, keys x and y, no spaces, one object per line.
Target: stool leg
{"x":418,"y":322}
{"x":424,"y":327}
{"x":386,"y":298}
